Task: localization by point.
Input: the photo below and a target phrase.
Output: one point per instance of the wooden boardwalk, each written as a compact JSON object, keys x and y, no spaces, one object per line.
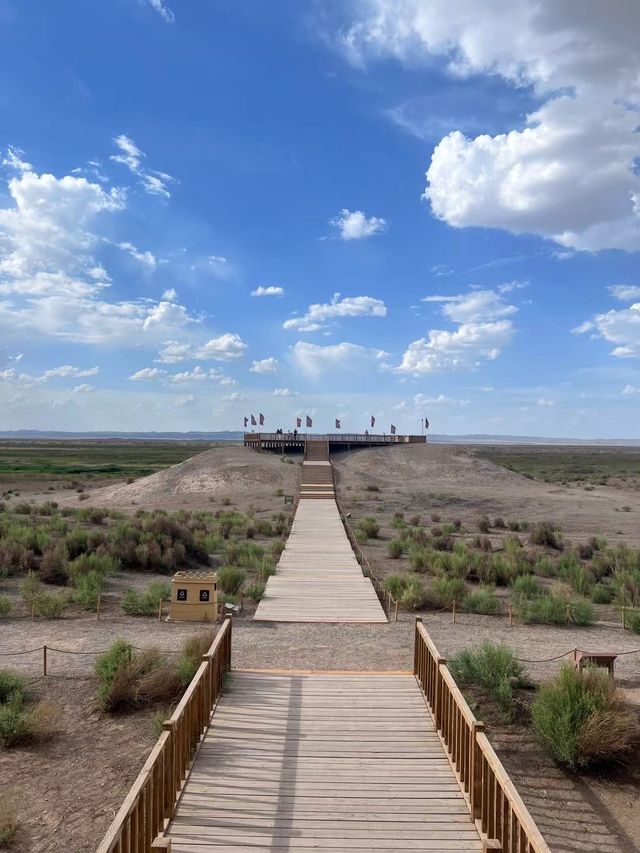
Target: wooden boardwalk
{"x":318,"y":578}
{"x":297,"y":762}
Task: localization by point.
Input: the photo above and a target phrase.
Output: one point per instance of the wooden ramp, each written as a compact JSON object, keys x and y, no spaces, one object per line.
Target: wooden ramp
{"x":298,"y":762}
{"x":318,"y":578}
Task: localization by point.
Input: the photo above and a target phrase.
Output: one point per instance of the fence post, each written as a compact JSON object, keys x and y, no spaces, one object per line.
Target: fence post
{"x":161,"y":843}
{"x":510,"y":615}
{"x":416,"y":640}
{"x":475,"y":781}
{"x":453,"y":611}
{"x":160,"y":610}
{"x":98,"y":608}
{"x":396,"y":611}
{"x":624,"y":609}
{"x":44,"y":660}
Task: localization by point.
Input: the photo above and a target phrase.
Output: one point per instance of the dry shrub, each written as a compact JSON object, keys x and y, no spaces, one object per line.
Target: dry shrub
{"x":8,"y":824}
{"x":162,"y":684}
{"x":43,"y":721}
{"x":193,"y":649}
{"x":612,"y":734}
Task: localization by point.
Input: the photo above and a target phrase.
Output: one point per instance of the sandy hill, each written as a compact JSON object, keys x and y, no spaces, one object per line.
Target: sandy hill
{"x":458,"y":484}
{"x":234,"y":472}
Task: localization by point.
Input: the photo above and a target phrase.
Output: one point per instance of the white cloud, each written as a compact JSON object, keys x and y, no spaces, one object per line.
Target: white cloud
{"x":625,"y":292}
{"x":147,"y":374}
{"x":545,"y":402}
{"x":163,"y":10}
{"x":264,"y":365}
{"x":13,"y":160}
{"x":354,"y":225}
{"x":313,"y":360}
{"x":185,"y":401}
{"x":568,"y":174}
{"x":146,"y":258}
{"x":153,"y":182}
{"x":67,"y":370}
{"x":483,"y":331}
{"x":170,"y":295}
{"x":620,"y":327}
{"x":630,"y":390}
{"x":236,"y":397}
{"x":82,"y":389}
{"x":285,"y":392}
{"x":350,"y":306}
{"x":271,"y":290}
{"x":421,"y":400}
{"x":226,"y":347}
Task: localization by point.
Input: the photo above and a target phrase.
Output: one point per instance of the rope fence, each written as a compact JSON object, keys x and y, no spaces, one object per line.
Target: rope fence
{"x":46,"y":650}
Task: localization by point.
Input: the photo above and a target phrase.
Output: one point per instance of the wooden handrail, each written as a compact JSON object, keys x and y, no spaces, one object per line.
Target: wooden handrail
{"x":151,"y":801}
{"x":495,"y":805}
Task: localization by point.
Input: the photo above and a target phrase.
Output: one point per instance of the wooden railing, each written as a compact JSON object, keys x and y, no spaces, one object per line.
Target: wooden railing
{"x":501,"y":816}
{"x":152,"y":798}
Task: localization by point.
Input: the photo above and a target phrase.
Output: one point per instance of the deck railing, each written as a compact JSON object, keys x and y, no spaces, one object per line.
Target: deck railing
{"x":494,"y":803}
{"x":152,"y":798}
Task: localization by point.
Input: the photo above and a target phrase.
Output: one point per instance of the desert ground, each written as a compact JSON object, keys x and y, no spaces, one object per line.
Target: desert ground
{"x":69,"y":788}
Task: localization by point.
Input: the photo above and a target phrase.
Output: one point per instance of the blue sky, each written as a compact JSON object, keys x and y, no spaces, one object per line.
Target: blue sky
{"x":389,"y":207}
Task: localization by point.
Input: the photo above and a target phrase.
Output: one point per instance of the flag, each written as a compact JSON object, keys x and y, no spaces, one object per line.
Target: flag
{"x":246,"y":422}
{"x":426,"y":423}
{"x":393,"y":430}
{"x":337,"y":423}
{"x":253,"y":421}
{"x":309,"y":421}
{"x":373,"y":421}
{"x":298,"y":422}
{"x":261,"y":416}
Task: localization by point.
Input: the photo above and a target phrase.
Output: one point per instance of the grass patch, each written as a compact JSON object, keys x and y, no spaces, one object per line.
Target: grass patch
{"x":493,"y":668}
{"x":146,"y":603}
{"x":482,"y":600}
{"x":581,"y":720}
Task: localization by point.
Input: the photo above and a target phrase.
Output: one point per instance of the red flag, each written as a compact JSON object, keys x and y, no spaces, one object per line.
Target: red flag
{"x":373,"y":421}
{"x":261,"y":419}
{"x":309,"y":421}
{"x":246,"y":422}
{"x":253,"y":421}
{"x":298,"y":422}
{"x":393,"y":430}
{"x":337,"y":423}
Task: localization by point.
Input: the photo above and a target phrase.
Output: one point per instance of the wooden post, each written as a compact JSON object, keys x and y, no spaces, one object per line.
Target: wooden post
{"x":160,"y":610}
{"x":510,"y":615}
{"x":624,"y":623}
{"x":453,"y":611}
{"x":396,"y":611}
{"x":44,"y":660}
{"x":416,"y":640}
{"x":161,"y":843}
{"x":475,"y":768}
{"x":98,"y":608}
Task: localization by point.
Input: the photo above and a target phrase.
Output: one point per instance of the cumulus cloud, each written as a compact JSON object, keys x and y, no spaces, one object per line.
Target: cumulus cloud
{"x":226,"y":347}
{"x":484,"y":329}
{"x":51,"y":283}
{"x":619,"y":327}
{"x":625,"y":292}
{"x":355,"y":225}
{"x":569,"y":173}
{"x":350,"y":306}
{"x":82,"y":389}
{"x":313,"y":360}
{"x":285,"y":392}
{"x":146,"y":258}
{"x":422,"y":400}
{"x":271,"y":290}
{"x":153,"y":182}
{"x":147,"y":374}
{"x":630,"y":390}
{"x":65,"y":371}
{"x":264,"y":365}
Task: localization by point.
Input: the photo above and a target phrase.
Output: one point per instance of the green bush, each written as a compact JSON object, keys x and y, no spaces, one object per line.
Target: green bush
{"x":446,"y":590}
{"x":108,"y":664}
{"x":146,"y":603}
{"x":580,"y":720}
{"x":396,"y":585}
{"x":101,"y":564}
{"x":255,"y":591}
{"x":88,"y":589}
{"x":13,"y":723}
{"x":526,"y":586}
{"x":230,"y":579}
{"x":395,"y":548}
{"x":369,"y":526}
{"x":12,"y":685}
{"x":193,"y":650}
{"x":546,"y":534}
{"x":413,"y":595}
{"x":31,"y":589}
{"x":632,"y":621}
{"x":602,"y":594}
{"x":50,"y":606}
{"x":493,"y":668}
{"x":582,"y":613}
{"x":5,"y":606}
{"x":482,"y":600}
{"x":543,"y":610}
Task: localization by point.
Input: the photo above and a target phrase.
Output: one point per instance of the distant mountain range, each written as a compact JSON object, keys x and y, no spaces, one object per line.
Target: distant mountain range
{"x":229,"y":435}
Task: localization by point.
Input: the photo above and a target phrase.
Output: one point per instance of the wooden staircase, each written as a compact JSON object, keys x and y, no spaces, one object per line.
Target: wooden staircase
{"x":317,"y":472}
